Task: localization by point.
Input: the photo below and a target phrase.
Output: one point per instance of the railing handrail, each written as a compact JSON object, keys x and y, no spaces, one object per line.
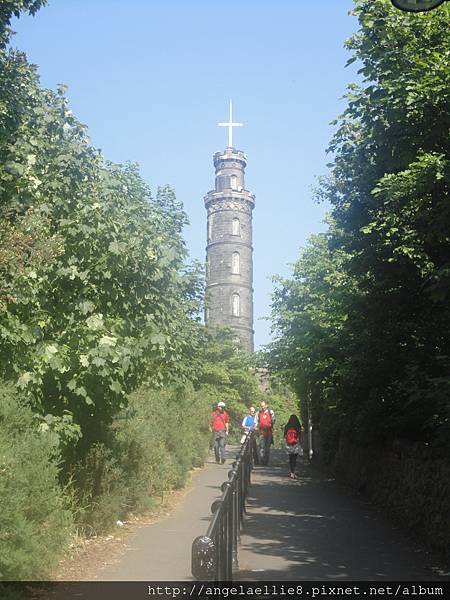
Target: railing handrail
{"x":214,"y":555}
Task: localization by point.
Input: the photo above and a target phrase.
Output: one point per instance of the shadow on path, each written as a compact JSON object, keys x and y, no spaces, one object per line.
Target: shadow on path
{"x":310,"y":529}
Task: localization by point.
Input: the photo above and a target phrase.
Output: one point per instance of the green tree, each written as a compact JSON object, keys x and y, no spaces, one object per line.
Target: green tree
{"x":14,"y":8}
{"x":226,"y":373}
{"x":96,"y":293}
{"x":373,"y":320}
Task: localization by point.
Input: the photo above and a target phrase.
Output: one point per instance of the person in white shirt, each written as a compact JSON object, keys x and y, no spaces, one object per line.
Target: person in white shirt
{"x":248,"y":425}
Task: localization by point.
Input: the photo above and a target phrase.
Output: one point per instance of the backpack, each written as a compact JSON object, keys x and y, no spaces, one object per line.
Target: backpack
{"x":291,"y":436}
{"x":265,"y":420}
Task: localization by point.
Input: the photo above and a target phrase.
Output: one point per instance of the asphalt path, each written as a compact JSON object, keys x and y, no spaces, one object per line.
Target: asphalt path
{"x":304,"y":529}
{"x":162,"y":551}
{"x":313,"y":529}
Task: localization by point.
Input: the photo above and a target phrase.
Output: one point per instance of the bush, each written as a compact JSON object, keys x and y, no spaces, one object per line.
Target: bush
{"x":98,"y":490}
{"x":151,"y":448}
{"x":163,"y":436}
{"x":35,"y":520}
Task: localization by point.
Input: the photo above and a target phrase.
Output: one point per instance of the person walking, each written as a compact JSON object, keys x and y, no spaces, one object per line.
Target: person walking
{"x":292,"y":432}
{"x":219,"y":426}
{"x":265,"y":420}
{"x":248,"y":425}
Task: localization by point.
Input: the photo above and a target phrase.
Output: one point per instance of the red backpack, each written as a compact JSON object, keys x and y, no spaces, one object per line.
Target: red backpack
{"x":265,"y":420}
{"x":291,"y":436}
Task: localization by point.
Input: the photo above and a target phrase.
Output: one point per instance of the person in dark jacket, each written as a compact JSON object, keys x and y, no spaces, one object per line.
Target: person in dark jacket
{"x":292,"y":433}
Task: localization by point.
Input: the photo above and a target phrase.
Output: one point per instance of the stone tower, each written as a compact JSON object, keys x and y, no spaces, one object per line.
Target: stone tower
{"x":229,"y":260}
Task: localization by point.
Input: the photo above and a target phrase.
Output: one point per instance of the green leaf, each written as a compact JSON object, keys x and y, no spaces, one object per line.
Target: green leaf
{"x":115,"y":387}
{"x":95,"y":322}
{"x":107,"y":340}
{"x":158,"y":339}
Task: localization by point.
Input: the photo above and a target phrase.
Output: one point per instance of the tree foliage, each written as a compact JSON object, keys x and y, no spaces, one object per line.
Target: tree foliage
{"x":363,"y":325}
{"x":95,"y":294}
{"x":226,"y":373}
{"x":14,"y":8}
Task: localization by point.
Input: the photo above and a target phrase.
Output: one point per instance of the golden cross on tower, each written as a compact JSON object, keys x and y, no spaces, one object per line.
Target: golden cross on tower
{"x":230,"y":126}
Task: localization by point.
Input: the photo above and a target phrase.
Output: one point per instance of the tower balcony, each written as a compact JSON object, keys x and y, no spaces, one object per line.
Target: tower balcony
{"x":229,"y":195}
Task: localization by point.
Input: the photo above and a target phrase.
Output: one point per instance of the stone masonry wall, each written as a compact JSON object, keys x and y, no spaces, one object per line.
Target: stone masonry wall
{"x":407,"y":480}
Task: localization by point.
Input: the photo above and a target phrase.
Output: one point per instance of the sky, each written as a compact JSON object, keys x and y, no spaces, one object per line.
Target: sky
{"x":152,"y":79}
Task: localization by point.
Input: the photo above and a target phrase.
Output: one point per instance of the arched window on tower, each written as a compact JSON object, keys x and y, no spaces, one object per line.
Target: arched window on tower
{"x":209,"y":227}
{"x":235,"y":263}
{"x":236,"y":227}
{"x":235,"y":305}
{"x":233,"y":182}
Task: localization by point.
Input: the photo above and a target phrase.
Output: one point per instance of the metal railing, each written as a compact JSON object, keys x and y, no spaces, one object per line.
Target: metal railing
{"x":214,"y":555}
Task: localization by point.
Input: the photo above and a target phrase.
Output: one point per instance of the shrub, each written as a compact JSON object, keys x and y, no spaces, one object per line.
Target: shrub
{"x":151,"y":448}
{"x":164,"y":435}
{"x":35,"y":520}
{"x":98,"y":490}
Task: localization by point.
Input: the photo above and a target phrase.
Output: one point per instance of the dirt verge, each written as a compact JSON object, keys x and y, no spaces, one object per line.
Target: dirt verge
{"x":86,"y":556}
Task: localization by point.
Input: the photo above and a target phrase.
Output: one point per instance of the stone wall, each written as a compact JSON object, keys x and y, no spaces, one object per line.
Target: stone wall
{"x":407,"y":480}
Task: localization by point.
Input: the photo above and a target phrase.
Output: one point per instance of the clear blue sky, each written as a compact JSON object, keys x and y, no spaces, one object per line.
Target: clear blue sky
{"x":152,"y":78}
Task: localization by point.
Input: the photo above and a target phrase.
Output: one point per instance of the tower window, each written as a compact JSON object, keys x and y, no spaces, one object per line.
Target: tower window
{"x":236,"y":227}
{"x":233,"y":182}
{"x":235,"y":305}
{"x":235,"y":263}
{"x":209,"y":227}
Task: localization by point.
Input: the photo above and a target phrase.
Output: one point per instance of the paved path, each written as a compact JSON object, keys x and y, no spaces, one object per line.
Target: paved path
{"x":311,"y":529}
{"x":162,"y":551}
{"x":308,"y":529}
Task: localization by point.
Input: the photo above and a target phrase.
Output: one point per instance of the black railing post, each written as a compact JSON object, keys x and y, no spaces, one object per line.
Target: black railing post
{"x":204,"y":558}
{"x":217,"y":507}
{"x":228,"y":517}
{"x":243,"y":489}
{"x":239,"y":503}
{"x":234,"y":526}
